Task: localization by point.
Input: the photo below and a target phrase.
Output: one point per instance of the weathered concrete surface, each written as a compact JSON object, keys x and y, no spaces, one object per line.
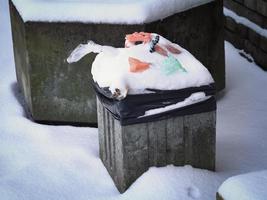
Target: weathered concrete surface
{"x":57,"y":91}
{"x":247,"y":9}
{"x":128,"y":151}
{"x":243,"y":37}
{"x":21,"y":56}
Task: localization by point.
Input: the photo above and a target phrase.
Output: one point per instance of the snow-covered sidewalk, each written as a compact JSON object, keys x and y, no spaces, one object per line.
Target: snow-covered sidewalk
{"x":62,"y":162}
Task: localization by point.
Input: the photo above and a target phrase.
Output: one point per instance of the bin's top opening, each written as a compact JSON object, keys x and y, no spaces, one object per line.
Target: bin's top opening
{"x":148,"y":62}
{"x":102,"y":11}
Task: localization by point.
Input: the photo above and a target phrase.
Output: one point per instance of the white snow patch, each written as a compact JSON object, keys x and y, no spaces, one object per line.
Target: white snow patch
{"x":62,"y":162}
{"x":251,"y":186}
{"x":193,"y":192}
{"x":246,"y":55}
{"x":246,"y":22}
{"x":112,"y":71}
{"x":192,"y":99}
{"x":102,"y":11}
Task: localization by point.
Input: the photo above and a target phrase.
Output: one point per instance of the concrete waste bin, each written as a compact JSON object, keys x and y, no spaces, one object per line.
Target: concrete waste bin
{"x":156,"y":108}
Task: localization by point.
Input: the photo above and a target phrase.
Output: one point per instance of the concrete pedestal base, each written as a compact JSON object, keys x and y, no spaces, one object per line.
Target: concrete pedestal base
{"x":128,"y":151}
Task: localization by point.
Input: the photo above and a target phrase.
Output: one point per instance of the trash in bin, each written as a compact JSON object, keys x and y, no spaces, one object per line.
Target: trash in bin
{"x":152,"y":73}
{"x":155,"y":106}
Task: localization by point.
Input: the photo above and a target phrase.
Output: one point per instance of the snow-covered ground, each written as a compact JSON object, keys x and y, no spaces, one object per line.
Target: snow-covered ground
{"x":61,"y":162}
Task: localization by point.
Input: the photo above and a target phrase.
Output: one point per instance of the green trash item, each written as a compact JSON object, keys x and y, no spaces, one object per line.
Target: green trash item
{"x":171,"y":65}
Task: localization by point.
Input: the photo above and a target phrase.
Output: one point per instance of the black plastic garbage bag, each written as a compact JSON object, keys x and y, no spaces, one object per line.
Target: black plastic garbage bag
{"x":131,"y":110}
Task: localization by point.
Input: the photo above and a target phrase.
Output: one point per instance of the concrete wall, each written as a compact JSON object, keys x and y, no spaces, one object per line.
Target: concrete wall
{"x":128,"y":151}
{"x":243,"y":37}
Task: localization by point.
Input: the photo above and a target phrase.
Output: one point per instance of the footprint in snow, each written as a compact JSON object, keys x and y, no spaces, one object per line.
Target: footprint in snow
{"x":193,"y":192}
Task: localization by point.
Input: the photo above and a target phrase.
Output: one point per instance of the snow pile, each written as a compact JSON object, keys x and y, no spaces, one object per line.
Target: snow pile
{"x":192,"y":99}
{"x":244,"y":21}
{"x":112,"y":70}
{"x":251,"y":186}
{"x":148,"y":62}
{"x":102,"y":11}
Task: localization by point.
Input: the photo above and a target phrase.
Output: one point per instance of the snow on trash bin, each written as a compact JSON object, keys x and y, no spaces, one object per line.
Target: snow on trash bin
{"x":150,"y":69}
{"x":156,"y":106}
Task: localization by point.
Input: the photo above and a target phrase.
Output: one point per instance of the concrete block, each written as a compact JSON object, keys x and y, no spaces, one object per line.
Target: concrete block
{"x":230,"y":24}
{"x":251,"y":4}
{"x":265,"y":23}
{"x":262,"y":7}
{"x":250,"y":48}
{"x":233,"y":38}
{"x":246,"y":12}
{"x":254,"y":37}
{"x":128,"y":151}
{"x":263,"y":43}
{"x":56,"y":91}
{"x":240,"y":1}
{"x":245,"y":38}
{"x":260,"y":57}
{"x":242,"y":31}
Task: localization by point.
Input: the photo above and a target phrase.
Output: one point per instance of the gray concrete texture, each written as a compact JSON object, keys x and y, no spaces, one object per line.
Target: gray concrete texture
{"x":128,"y":151}
{"x":245,"y":38}
{"x":254,"y":10}
{"x":56,"y":91}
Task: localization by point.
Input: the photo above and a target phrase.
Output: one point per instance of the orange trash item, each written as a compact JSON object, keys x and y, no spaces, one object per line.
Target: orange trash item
{"x":160,"y":50}
{"x":139,"y":37}
{"x":137,"y":65}
{"x":172,"y":49}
